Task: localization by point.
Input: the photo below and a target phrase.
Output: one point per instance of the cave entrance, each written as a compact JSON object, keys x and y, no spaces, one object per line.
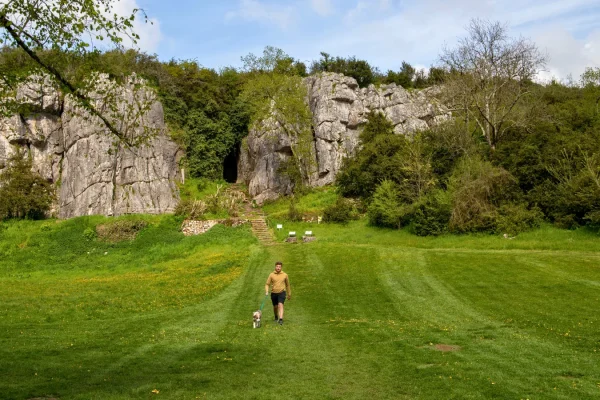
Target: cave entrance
{"x":230,"y":172}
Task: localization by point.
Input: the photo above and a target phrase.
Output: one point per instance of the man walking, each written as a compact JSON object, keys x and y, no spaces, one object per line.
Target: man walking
{"x":278,"y":282}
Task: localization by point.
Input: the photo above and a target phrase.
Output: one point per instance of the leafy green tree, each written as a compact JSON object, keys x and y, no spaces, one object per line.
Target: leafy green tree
{"x":590,"y":80}
{"x":358,"y":69}
{"x":405,"y":77}
{"x":384,"y":155}
{"x":375,"y":161}
{"x":23,"y":193}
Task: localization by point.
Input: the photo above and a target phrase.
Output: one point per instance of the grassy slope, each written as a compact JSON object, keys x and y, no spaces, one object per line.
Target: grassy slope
{"x":174,"y":314}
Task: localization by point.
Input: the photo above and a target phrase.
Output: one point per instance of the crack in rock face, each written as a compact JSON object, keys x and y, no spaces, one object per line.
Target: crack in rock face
{"x":339,"y":110}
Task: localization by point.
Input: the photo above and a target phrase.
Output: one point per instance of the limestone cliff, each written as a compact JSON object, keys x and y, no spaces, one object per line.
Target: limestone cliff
{"x":339,"y":109}
{"x":76,"y":152}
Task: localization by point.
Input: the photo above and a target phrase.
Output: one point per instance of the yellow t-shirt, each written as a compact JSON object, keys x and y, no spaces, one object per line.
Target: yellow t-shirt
{"x":279,"y":282}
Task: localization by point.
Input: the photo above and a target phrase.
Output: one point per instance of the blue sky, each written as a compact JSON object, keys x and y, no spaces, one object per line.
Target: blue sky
{"x":383,"y":32}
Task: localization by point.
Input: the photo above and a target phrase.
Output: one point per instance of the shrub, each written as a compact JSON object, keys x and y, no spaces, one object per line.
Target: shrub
{"x":478,"y":188}
{"x":119,"y":230}
{"x":341,"y":211}
{"x":192,"y":209}
{"x":566,"y":221}
{"x":228,"y":201}
{"x":594,"y":218}
{"x":516,"y":218}
{"x":386,"y":209}
{"x":89,"y":234}
{"x":432,"y":214}
{"x":23,"y":193}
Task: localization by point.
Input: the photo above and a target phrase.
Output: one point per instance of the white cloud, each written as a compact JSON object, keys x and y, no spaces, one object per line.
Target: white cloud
{"x":540,"y":11}
{"x":255,"y":11}
{"x":149,"y":32}
{"x":417,"y":32}
{"x":322,"y":7}
{"x":568,"y":55}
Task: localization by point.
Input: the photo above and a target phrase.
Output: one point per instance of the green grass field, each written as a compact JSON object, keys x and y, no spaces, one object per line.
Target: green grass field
{"x":375,"y":314}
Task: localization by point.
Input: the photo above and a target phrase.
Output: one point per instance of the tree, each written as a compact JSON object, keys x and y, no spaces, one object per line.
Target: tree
{"x":67,"y":26}
{"x":276,"y":95}
{"x":590,"y":80}
{"x":405,"y":77}
{"x":491,"y":75}
{"x":360,"y":70}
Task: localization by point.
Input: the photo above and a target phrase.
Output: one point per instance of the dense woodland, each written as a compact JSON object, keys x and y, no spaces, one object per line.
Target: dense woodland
{"x":453,"y":178}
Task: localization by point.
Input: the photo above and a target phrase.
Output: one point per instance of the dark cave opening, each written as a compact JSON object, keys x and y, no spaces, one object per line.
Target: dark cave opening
{"x":230,"y":172}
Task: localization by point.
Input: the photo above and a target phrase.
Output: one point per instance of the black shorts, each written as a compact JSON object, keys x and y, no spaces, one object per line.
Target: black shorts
{"x":277,"y":298}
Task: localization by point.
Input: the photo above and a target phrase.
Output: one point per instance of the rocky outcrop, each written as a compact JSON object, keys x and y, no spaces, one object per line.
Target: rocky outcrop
{"x":339,"y":108}
{"x":93,"y":173}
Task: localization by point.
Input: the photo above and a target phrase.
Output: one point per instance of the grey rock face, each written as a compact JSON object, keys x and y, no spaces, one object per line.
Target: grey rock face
{"x":263,"y":155}
{"x":70,"y":147}
{"x":339,"y":109}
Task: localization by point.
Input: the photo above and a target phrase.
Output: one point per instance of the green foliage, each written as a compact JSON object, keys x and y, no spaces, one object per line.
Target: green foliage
{"x":375,"y":160}
{"x":386,"y":156}
{"x":404,"y":77}
{"x":478,"y":188}
{"x":516,"y":218}
{"x":432,"y":214}
{"x":341,"y":211}
{"x":446,"y":144}
{"x":23,"y":193}
{"x":275,"y":97}
{"x":204,"y":111}
{"x":360,"y":70}
{"x":89,"y":234}
{"x":386,"y":209}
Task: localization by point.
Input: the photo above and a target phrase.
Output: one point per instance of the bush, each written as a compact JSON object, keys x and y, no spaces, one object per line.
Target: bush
{"x":432,"y":214}
{"x":119,"y":230}
{"x":478,"y":188}
{"x":594,"y":218}
{"x":191,"y":209}
{"x":341,"y":211}
{"x":385,"y":209}
{"x":23,"y":193}
{"x":89,"y":234}
{"x":227,"y":201}
{"x":516,"y":218}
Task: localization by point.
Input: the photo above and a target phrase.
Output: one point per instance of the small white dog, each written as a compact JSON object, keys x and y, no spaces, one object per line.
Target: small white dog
{"x":256,"y":315}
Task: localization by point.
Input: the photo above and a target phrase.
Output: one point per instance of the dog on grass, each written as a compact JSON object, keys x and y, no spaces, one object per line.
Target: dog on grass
{"x":256,"y":315}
